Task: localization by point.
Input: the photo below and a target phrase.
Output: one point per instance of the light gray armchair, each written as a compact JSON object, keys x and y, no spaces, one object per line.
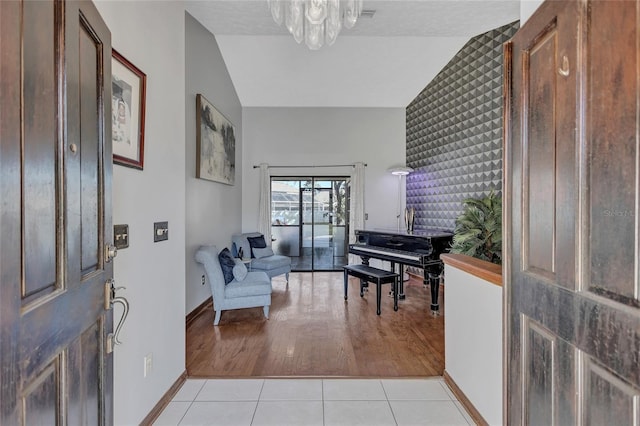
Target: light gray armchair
{"x":273,"y":265}
{"x":252,"y":291}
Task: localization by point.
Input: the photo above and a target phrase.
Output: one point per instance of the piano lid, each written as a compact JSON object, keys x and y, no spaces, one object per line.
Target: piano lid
{"x":431,"y":233}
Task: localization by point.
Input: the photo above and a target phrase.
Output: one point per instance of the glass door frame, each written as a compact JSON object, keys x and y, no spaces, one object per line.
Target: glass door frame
{"x":335,"y":217}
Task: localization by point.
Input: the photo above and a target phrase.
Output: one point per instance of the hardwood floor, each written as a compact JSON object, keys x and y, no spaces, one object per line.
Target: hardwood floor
{"x":313,"y":331}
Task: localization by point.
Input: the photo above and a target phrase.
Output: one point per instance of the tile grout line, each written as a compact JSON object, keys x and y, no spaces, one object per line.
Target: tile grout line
{"x":185,"y":413}
{"x":322,"y":388}
{"x":191,"y":403}
{"x":454,"y":399}
{"x":255,"y":410}
{"x":393,"y":414}
{"x":464,"y":414}
{"x":450,"y":394}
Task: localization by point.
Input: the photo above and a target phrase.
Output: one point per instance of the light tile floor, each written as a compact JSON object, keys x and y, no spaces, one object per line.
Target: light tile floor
{"x":322,"y":402}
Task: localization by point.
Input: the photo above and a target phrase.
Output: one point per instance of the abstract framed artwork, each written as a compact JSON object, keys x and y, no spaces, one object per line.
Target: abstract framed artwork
{"x":215,"y":144}
{"x":127,"y":110}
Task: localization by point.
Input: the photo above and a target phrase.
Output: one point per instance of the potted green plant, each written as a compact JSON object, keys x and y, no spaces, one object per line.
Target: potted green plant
{"x":478,"y":231}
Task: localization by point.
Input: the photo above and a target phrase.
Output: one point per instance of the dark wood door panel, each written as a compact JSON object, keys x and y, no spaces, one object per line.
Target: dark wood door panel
{"x":545,"y":76}
{"x":548,"y":371}
{"x":540,"y":373}
{"x":612,"y":146}
{"x":84,"y":376}
{"x":41,"y":397}
{"x":607,"y":399}
{"x":55,"y":172}
{"x":601,"y":331}
{"x":539,"y":180}
{"x":65,"y":321}
{"x":91,"y":89}
{"x":71,"y":375}
{"x":572,"y":146}
{"x":39,"y":142}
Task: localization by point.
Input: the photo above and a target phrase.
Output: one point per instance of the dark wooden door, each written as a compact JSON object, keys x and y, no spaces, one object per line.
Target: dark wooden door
{"x":55,"y":214}
{"x":572,"y":201}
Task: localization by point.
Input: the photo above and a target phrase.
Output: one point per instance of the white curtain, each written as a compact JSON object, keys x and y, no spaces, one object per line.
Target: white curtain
{"x":356,"y":208}
{"x":264,"y":218}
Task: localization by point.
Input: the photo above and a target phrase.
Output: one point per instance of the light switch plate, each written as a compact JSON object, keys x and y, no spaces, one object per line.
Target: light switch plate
{"x":160,"y":231}
{"x":121,"y":236}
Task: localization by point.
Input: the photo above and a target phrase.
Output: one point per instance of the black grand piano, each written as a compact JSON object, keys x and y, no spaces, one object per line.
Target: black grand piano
{"x":420,"y":249}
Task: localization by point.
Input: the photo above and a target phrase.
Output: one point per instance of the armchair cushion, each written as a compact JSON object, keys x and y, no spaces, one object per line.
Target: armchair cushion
{"x":271,"y":262}
{"x":226,"y":264}
{"x":259,"y":253}
{"x":252,"y":285}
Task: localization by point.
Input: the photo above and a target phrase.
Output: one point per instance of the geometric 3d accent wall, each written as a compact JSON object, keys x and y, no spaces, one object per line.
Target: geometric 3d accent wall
{"x":454,"y":132}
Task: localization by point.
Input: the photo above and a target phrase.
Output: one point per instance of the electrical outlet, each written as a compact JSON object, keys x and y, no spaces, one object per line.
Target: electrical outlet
{"x":203,"y":280}
{"x":148,"y":364}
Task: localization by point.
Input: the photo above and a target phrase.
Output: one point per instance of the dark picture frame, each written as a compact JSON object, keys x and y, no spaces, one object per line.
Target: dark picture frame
{"x":215,"y":144}
{"x":129,"y":86}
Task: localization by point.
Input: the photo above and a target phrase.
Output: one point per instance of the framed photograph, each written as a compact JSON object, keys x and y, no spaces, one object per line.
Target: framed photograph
{"x":127,"y":110}
{"x":215,"y":144}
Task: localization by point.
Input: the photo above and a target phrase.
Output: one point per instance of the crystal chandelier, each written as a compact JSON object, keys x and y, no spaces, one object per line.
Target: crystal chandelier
{"x":315,"y":21}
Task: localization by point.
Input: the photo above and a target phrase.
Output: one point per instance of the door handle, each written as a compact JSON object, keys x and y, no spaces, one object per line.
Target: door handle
{"x":125,"y":305}
{"x":110,"y":252}
{"x":110,"y":299}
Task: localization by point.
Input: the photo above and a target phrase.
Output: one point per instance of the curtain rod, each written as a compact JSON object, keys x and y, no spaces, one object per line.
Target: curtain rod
{"x":305,"y":167}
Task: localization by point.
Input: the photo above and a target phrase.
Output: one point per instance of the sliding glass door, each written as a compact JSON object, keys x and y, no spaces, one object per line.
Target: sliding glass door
{"x":309,"y":218}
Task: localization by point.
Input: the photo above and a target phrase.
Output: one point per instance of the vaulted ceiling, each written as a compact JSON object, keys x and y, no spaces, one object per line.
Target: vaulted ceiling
{"x":384,"y":61}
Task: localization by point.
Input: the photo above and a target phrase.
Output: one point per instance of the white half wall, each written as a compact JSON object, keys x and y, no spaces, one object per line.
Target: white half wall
{"x":151,"y":36}
{"x":326,"y":136}
{"x":213,"y":208}
{"x":473,"y":340}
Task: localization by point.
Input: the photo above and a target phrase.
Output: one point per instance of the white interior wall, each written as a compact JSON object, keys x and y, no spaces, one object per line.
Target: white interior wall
{"x":153,"y":273}
{"x":213,"y":208}
{"x":527,"y":7}
{"x":325,"y":136}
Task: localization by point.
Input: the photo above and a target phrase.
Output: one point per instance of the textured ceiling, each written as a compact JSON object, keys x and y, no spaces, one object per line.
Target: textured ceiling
{"x":384,"y":61}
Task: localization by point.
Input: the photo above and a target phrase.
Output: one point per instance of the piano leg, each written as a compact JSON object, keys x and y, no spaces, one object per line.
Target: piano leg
{"x":393,"y":269}
{"x":433,"y":274}
{"x":346,"y":285}
{"x":401,"y":283}
{"x":425,"y":279}
{"x":364,"y":285}
{"x":435,"y":289}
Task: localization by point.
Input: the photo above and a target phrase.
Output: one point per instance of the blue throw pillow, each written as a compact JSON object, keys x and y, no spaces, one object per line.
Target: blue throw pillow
{"x":256,"y":242}
{"x":226,"y":264}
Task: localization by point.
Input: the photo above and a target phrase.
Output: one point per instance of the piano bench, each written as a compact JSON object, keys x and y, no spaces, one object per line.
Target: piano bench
{"x":367,"y":273}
